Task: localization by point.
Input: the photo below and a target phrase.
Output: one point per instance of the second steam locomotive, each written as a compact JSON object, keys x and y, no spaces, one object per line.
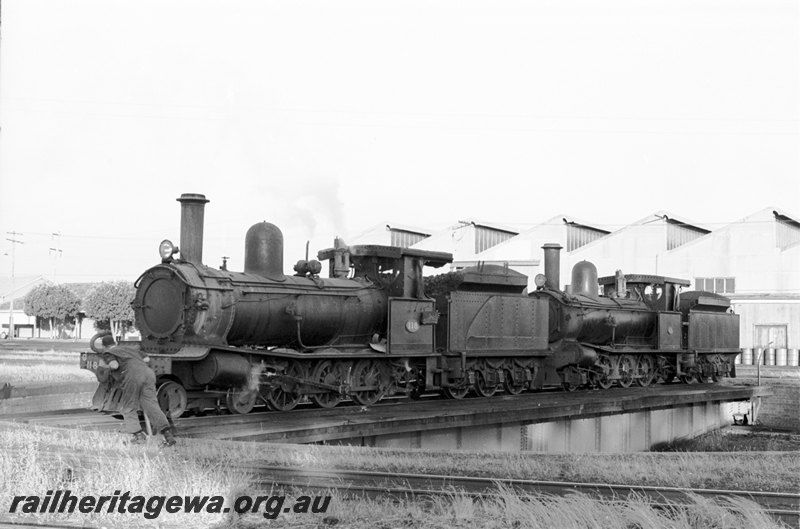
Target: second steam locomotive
{"x":239,"y":339}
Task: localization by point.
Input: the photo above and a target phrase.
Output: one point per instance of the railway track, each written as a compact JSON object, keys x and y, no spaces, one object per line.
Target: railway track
{"x":781,"y":506}
{"x":11,"y":524}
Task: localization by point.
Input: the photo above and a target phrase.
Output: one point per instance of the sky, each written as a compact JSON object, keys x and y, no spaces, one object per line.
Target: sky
{"x":327,"y":118}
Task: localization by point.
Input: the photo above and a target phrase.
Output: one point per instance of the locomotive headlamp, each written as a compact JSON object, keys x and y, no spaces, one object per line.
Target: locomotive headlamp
{"x":166,"y":250}
{"x":539,"y":280}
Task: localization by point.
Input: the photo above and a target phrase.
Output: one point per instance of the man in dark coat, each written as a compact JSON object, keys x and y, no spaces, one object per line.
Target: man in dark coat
{"x":138,"y":384}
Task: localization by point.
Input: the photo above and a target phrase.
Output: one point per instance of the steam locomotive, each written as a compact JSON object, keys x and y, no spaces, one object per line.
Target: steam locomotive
{"x":239,"y":339}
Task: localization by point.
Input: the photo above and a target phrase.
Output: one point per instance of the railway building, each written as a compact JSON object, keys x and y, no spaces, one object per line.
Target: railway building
{"x":754,"y":261}
{"x":391,"y":234}
{"x":639,"y":246}
{"x":522,"y":252}
{"x":467,"y":238}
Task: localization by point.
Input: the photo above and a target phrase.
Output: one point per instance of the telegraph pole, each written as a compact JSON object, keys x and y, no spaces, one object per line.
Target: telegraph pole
{"x":55,"y":252}
{"x":14,"y":242}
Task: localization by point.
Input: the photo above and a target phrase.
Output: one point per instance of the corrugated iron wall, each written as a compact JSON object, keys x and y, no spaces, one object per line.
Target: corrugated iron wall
{"x":485,"y":237}
{"x":786,"y":234}
{"x":680,"y":234}
{"x":578,"y":236}
{"x":405,"y":239}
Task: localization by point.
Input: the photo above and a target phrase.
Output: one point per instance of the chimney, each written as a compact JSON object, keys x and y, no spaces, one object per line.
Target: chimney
{"x":552,"y":265}
{"x":192,"y":211}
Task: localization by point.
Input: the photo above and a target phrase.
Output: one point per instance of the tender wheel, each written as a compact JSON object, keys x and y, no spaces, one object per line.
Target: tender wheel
{"x":481,"y":387}
{"x":285,"y":396}
{"x":600,"y":377}
{"x":627,"y":367}
{"x":327,"y":372}
{"x":510,"y":385}
{"x":239,"y":401}
{"x":646,"y":370}
{"x":368,"y":373}
{"x":687,"y":379}
{"x":455,"y":392}
{"x":171,"y":398}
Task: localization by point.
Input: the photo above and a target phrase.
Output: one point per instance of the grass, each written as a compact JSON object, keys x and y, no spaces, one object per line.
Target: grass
{"x":197,"y":468}
{"x":25,"y":469}
{"x":33,"y":367}
{"x":777,"y":472}
{"x":739,"y":440}
{"x":522,"y":511}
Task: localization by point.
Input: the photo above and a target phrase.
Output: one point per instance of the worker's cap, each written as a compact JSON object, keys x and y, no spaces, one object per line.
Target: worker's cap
{"x":108,"y":341}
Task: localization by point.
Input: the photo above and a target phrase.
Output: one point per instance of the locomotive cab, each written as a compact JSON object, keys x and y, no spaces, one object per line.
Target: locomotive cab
{"x":659,"y":293}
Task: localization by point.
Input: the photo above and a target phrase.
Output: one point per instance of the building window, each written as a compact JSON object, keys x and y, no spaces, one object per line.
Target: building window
{"x":718,"y":285}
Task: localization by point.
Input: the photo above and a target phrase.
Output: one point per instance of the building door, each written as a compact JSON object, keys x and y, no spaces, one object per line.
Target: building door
{"x":768,"y":337}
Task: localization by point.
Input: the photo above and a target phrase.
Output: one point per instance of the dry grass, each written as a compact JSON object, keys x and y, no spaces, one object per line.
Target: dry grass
{"x":27,"y":469}
{"x":754,"y":440}
{"x":33,"y":367}
{"x":514,"y":510}
{"x":778,"y":472}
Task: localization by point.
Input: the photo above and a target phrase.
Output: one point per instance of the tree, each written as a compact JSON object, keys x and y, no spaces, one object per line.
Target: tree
{"x":55,"y":303}
{"x":442,"y":284}
{"x":109,"y":303}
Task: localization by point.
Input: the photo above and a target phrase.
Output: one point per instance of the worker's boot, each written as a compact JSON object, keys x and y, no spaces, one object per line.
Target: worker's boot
{"x":138,"y":438}
{"x":169,"y":439}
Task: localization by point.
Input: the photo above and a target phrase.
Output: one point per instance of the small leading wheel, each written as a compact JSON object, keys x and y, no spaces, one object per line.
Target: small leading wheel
{"x":570,"y":378}
{"x":327,"y":372}
{"x":368,"y":374}
{"x":645,"y":370}
{"x":627,"y":367}
{"x":285,"y":396}
{"x":240,"y":401}
{"x":481,"y":387}
{"x":171,"y":398}
{"x":511,"y":386}
{"x":455,"y":392}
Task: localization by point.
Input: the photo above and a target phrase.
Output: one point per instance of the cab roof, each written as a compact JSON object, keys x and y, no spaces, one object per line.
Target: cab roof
{"x":644,"y":278}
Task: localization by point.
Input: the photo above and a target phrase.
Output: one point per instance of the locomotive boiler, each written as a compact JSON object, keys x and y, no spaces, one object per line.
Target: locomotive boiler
{"x":219,"y":338}
{"x":182,"y":302}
